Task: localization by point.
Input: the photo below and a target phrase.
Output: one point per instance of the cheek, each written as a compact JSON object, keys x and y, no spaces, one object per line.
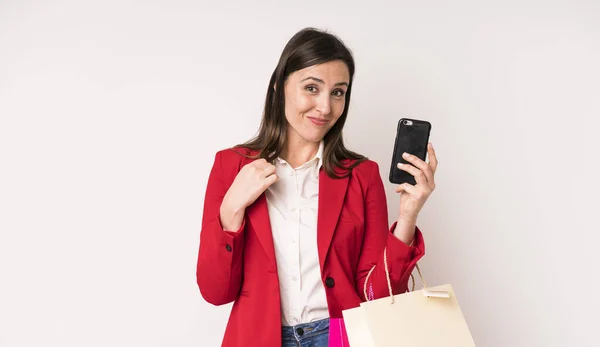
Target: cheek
{"x":304,"y":103}
{"x":296,"y":106}
{"x":338,"y":108}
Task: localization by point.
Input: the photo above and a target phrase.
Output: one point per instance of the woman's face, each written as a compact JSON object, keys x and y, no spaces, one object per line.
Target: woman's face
{"x":315,"y":98}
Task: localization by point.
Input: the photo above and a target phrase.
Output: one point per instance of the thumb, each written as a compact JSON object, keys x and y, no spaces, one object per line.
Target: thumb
{"x":406,"y":188}
{"x":401,"y":188}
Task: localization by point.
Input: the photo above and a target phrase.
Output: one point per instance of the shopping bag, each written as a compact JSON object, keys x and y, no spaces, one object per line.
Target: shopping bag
{"x":429,"y":317}
{"x":337,"y":333}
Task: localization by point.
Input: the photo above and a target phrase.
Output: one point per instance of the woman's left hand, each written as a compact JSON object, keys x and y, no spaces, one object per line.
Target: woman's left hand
{"x":415,"y":196}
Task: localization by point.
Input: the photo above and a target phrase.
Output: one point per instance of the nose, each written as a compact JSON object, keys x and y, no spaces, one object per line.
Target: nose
{"x":324,"y":104}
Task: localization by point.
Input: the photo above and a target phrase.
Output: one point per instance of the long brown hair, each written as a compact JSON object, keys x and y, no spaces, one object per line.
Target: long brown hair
{"x":306,"y":48}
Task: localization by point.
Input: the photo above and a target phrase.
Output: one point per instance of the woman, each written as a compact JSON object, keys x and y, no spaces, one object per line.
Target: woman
{"x":293,"y":221}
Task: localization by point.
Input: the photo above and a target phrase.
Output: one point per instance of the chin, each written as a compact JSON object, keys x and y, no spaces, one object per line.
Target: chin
{"x":315,"y":137}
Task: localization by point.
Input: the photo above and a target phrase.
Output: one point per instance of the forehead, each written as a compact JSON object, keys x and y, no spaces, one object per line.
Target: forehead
{"x":331,"y":72}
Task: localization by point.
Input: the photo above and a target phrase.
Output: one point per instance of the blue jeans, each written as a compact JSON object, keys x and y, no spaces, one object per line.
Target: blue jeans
{"x":315,"y":334}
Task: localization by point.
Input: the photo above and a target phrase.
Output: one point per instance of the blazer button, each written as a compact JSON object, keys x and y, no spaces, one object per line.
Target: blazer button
{"x":228,"y":248}
{"x":329,"y":282}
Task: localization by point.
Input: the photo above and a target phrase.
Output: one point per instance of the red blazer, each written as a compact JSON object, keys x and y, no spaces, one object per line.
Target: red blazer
{"x":352,"y":232}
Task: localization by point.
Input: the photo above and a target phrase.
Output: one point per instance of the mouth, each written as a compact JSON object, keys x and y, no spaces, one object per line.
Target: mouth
{"x":318,"y":121}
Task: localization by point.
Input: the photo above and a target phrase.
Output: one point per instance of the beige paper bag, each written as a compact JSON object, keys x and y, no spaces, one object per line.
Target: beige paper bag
{"x":430,"y":317}
{"x":357,"y":327}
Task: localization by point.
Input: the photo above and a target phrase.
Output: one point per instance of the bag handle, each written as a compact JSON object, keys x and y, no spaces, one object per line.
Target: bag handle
{"x":387,"y":275}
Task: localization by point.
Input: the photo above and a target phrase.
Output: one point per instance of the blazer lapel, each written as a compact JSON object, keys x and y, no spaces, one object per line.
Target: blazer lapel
{"x":332,"y":192}
{"x":258,"y":215}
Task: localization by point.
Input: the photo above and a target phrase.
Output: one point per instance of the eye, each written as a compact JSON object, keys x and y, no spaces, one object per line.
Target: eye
{"x":338,"y":93}
{"x":311,"y":88}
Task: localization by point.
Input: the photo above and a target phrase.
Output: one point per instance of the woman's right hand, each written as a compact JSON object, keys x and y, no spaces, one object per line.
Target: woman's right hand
{"x":252,"y":180}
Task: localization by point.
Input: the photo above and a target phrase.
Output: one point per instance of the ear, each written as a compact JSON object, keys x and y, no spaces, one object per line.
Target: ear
{"x":275,"y":86}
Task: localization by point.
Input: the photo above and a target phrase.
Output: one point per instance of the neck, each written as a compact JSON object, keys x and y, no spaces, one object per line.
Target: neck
{"x":298,"y":151}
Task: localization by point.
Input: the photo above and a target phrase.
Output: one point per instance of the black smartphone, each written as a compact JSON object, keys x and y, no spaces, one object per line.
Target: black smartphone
{"x":412,"y":136}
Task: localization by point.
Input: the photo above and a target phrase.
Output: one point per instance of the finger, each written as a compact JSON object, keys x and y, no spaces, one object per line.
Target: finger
{"x":406,"y":187}
{"x":418,"y":174}
{"x":260,"y":163}
{"x":262,"y":167}
{"x":433,"y":161}
{"x":423,"y":166}
{"x":270,"y":180}
{"x":268,"y":170}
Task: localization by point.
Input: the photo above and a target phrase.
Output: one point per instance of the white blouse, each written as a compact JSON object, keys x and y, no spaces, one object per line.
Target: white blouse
{"x":293,"y":203}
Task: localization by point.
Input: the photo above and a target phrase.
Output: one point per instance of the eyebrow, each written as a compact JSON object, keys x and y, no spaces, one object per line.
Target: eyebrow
{"x":323,"y":82}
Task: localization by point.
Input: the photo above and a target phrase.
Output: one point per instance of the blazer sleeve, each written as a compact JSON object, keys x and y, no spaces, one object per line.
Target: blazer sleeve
{"x":219,"y":268}
{"x":378,"y":236}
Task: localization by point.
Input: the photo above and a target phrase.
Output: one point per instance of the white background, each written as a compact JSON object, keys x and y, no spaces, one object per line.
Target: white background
{"x":111,"y":112}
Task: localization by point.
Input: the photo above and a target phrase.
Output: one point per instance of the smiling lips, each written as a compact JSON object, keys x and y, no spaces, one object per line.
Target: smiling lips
{"x":318,"y":121}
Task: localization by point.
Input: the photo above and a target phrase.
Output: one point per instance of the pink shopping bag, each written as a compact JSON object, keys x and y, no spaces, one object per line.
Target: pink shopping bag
{"x":337,"y":333}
